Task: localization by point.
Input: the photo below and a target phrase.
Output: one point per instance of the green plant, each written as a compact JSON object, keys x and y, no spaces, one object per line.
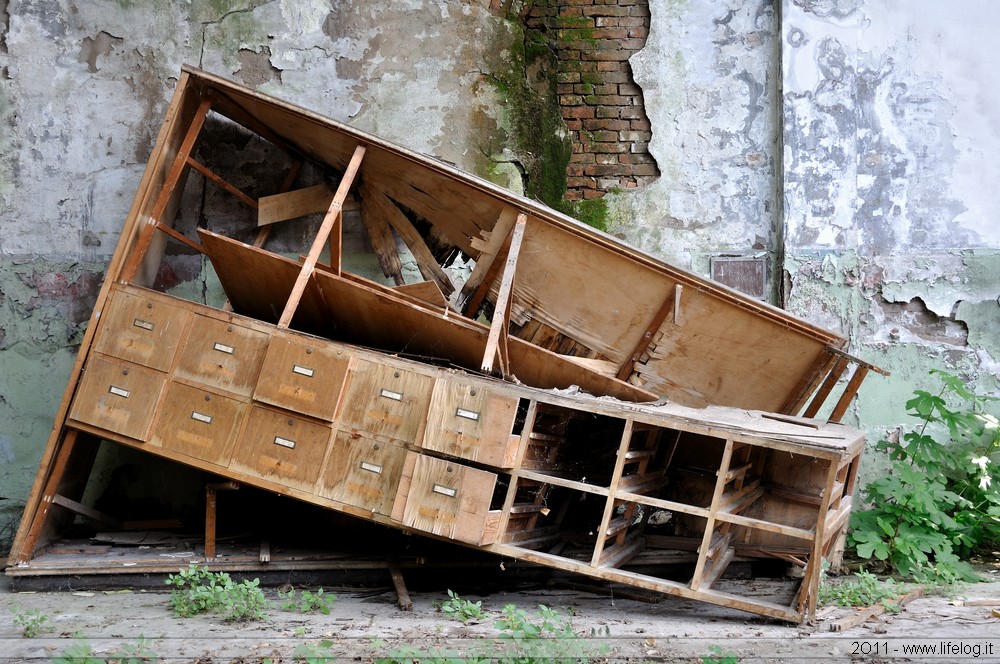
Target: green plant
{"x":314,"y":653}
{"x":31,"y":622}
{"x":197,"y":590}
{"x":139,"y":652}
{"x":305,"y":601}
{"x":78,"y":653}
{"x":549,"y":638}
{"x":865,"y":589}
{"x":463,"y":610}
{"x":939,"y":502}
{"x":719,"y":657}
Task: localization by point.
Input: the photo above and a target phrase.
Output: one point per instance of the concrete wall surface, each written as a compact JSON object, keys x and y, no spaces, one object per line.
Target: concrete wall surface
{"x":849,"y":144}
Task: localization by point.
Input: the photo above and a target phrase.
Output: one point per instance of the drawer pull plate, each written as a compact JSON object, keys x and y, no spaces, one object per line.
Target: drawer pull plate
{"x":303,"y":371}
{"x":444,"y":490}
{"x":143,"y":324}
{"x":389,"y":394}
{"x":223,"y":348}
{"x":119,"y":391}
{"x":201,"y":417}
{"x":284,"y":442}
{"x":371,"y":467}
{"x":467,"y":414}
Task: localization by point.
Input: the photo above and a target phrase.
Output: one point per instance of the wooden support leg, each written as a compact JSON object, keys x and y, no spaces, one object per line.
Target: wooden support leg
{"x":55,"y":476}
{"x":403,"y":597}
{"x":211,"y":504}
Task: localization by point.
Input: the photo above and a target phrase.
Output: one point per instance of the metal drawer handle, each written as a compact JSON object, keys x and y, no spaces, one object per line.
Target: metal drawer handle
{"x":444,"y":490}
{"x":303,"y":371}
{"x":223,"y":348}
{"x":389,"y":394}
{"x":120,"y":392}
{"x":284,"y":442}
{"x":371,"y":467}
{"x":144,"y":324}
{"x":201,"y":417}
{"x":467,"y":414}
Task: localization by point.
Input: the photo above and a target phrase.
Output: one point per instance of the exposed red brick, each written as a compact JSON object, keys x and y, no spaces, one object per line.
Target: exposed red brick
{"x":607,"y":10}
{"x":614,"y":125}
{"x":633,"y":22}
{"x":641,"y":125}
{"x":610,"y":33}
{"x":573,"y":195}
{"x":578,"y":112}
{"x":592,"y":193}
{"x":607,"y":21}
{"x":581,"y":181}
{"x":608,"y":112}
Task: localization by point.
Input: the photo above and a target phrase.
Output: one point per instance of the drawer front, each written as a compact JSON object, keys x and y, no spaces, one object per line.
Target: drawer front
{"x":117,"y":396}
{"x":222,"y":355}
{"x":303,"y":375}
{"x":363,"y":472}
{"x":141,"y":330}
{"x":282,"y":448}
{"x":444,"y":498}
{"x":386,"y":400}
{"x":198,"y":423}
{"x":469,"y":422}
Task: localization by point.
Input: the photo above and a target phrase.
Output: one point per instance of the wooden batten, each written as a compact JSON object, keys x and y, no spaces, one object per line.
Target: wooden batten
{"x":293,"y":204}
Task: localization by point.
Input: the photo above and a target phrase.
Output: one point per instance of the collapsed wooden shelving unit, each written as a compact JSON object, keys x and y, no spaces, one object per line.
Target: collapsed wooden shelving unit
{"x":610,"y":408}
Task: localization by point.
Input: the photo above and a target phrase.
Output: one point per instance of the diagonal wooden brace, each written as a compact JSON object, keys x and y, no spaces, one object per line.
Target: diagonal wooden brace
{"x":501,"y":313}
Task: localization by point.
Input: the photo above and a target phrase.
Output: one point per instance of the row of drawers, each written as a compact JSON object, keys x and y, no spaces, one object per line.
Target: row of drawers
{"x":297,"y":412}
{"x":306,"y":376}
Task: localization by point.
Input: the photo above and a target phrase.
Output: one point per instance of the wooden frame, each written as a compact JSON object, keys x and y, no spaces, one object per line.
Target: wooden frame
{"x":428,"y":446}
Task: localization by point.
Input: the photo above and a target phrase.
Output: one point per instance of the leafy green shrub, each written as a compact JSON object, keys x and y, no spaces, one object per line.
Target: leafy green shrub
{"x":864,"y":590}
{"x":550,"y":639}
{"x":306,"y":601}
{"x":197,"y":590}
{"x":31,"y":622}
{"x":463,"y":610}
{"x":939,"y":503}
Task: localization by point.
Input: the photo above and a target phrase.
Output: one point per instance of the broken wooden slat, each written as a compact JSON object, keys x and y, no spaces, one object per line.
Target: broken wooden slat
{"x":824,"y":391}
{"x":425,"y":291}
{"x":485,"y":269}
{"x":88,"y":512}
{"x":380,"y":235}
{"x":293,"y":204}
{"x":177,"y":235}
{"x":852,"y":388}
{"x":647,"y":337}
{"x":331,"y":219}
{"x":219,"y":180}
{"x":861,"y":616}
{"x":501,"y":314}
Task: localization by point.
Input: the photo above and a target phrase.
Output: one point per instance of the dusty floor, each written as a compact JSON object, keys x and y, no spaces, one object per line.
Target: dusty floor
{"x":365,"y":625}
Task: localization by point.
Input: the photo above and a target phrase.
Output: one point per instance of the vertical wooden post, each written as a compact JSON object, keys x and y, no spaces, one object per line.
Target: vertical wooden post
{"x":329,"y":221}
{"x":501,"y":313}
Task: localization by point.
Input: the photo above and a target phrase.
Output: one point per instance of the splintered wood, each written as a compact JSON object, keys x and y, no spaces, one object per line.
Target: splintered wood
{"x":574,"y":404}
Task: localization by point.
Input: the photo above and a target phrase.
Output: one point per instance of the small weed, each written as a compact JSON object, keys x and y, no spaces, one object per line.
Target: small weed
{"x":197,"y":590}
{"x":864,"y":590}
{"x":547,"y":637}
{"x":78,"y":653}
{"x":133,"y":653}
{"x":314,"y":653}
{"x":306,"y":601}
{"x":462,"y":610}
{"x":719,"y":657}
{"x":31,"y":622}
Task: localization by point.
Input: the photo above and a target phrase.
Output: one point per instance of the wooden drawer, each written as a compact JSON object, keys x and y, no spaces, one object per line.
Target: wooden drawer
{"x":306,"y":376}
{"x":198,"y":423}
{"x":446,"y":498}
{"x":141,"y":330}
{"x":222,"y":354}
{"x":363,"y":472}
{"x":117,"y":396}
{"x":282,"y":448}
{"x":469,"y":422}
{"x":387,"y":401}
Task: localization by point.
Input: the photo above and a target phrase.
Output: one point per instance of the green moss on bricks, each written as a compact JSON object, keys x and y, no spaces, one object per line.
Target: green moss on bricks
{"x":593,"y":212}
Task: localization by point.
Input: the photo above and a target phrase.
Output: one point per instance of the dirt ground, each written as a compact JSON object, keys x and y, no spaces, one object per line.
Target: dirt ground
{"x":365,"y":625}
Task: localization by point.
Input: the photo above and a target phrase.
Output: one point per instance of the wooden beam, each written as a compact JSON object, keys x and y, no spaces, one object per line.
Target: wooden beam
{"x":51,"y":486}
{"x":824,"y":390}
{"x":486,"y":267}
{"x":402,"y":595}
{"x":647,"y":337}
{"x":169,"y":185}
{"x":501,"y":313}
{"x":809,"y":382}
{"x":380,"y":236}
{"x":286,"y":184}
{"x":426,"y":263}
{"x":852,"y":388}
{"x":293,"y":204}
{"x":329,"y":221}
{"x":177,"y":235}
{"x":219,"y":180}
{"x":85,"y":511}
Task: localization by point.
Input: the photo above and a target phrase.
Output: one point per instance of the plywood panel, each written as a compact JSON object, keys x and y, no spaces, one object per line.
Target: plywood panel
{"x":386,"y":400}
{"x":223,"y":355}
{"x":470,"y":422}
{"x":281,"y":448}
{"x":303,"y":375}
{"x":117,"y":396}
{"x":363,"y":472}
{"x":198,"y":423}
{"x":445,"y":498}
{"x":141,"y":330}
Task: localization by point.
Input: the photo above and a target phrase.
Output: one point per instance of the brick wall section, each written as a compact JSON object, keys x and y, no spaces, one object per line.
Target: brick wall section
{"x":601,"y":104}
